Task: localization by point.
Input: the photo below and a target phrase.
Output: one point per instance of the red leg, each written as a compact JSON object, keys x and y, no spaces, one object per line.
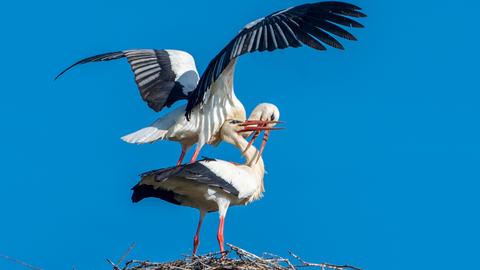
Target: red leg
{"x":220,"y":234}
{"x":196,"y":239}
{"x":195,"y":154}
{"x":180,"y":160}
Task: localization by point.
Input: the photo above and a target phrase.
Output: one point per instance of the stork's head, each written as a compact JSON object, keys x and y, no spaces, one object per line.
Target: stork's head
{"x":265,"y":112}
{"x":263,"y":118}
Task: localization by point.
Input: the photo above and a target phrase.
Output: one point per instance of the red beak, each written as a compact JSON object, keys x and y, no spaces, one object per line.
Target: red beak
{"x":257,"y":126}
{"x":258,"y":122}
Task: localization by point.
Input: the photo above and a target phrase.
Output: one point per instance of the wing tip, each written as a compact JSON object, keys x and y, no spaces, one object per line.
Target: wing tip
{"x":64,"y":71}
{"x":341,"y":4}
{"x":357,"y":25}
{"x":361,"y":14}
{"x":96,"y":58}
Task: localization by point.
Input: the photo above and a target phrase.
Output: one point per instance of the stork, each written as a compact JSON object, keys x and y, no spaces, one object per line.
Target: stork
{"x":211,"y":185}
{"x":167,"y":76}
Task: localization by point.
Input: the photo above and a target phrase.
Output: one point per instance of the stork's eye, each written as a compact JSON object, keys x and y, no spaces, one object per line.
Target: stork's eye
{"x":235,"y":122}
{"x":272,"y":118}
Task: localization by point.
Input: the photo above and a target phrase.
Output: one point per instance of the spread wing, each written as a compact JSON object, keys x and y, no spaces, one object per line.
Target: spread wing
{"x":196,"y":172}
{"x":162,"y":76}
{"x":309,"y":24}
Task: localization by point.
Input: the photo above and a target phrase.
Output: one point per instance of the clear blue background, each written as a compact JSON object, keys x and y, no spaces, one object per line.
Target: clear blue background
{"x":379,"y":166}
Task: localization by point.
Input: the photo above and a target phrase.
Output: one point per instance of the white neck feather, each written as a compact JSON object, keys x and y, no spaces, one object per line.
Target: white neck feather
{"x":251,"y":156}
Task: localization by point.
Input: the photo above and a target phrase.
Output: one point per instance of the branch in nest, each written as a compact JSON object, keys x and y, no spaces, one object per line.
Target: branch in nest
{"x":243,"y":260}
{"x":323,"y":265}
{"x":20,"y":262}
{"x":126,"y":253}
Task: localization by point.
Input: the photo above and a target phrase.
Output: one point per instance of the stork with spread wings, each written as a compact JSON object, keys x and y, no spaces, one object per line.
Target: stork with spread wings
{"x":167,"y":76}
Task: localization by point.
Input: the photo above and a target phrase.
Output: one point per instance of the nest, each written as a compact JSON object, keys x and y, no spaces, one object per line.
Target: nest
{"x":233,"y":258}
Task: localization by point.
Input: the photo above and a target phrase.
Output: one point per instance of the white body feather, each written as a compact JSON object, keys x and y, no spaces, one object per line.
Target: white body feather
{"x":247,"y":180}
{"x":205,"y":122}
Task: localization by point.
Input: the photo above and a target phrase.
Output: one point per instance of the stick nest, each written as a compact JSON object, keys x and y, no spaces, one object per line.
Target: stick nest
{"x":234,"y":258}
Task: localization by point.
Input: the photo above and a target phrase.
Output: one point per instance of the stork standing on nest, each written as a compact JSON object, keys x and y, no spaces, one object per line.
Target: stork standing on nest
{"x":210,"y":184}
{"x":167,"y":76}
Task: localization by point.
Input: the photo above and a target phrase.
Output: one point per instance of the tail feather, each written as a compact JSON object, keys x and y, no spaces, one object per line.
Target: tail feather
{"x":141,"y":191}
{"x":158,"y":130}
{"x":145,"y":135}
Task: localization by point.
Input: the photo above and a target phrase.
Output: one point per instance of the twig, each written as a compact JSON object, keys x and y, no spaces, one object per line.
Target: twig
{"x":132,"y":245}
{"x":243,"y":260}
{"x":20,"y":262}
{"x":323,"y":265}
{"x":242,"y":252}
{"x":279,"y":259}
{"x":114,"y":265}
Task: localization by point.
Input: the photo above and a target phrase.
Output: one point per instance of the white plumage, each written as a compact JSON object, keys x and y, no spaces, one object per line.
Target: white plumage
{"x":183,"y":65}
{"x":167,"y":76}
{"x":210,"y":185}
{"x":158,"y":130}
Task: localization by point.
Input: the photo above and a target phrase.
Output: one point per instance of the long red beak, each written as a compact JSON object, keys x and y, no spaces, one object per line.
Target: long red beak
{"x":257,"y":126}
{"x":258,"y":122}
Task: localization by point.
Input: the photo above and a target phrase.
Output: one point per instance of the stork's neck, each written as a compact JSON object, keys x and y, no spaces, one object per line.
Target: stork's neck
{"x":250,"y":155}
{"x":253,"y":160}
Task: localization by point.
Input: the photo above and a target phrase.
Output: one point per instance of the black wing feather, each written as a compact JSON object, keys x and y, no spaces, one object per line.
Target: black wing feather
{"x":155,"y":76}
{"x":97,"y":58}
{"x":195,"y":172}
{"x":320,"y":34}
{"x":308,"y":24}
{"x":330,"y":27}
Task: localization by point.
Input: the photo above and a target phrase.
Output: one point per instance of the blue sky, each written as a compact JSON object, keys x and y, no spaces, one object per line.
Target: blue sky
{"x":379,"y":166}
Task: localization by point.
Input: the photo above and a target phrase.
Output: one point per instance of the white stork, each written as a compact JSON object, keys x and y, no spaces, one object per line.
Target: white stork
{"x":167,"y":76}
{"x":211,"y":185}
